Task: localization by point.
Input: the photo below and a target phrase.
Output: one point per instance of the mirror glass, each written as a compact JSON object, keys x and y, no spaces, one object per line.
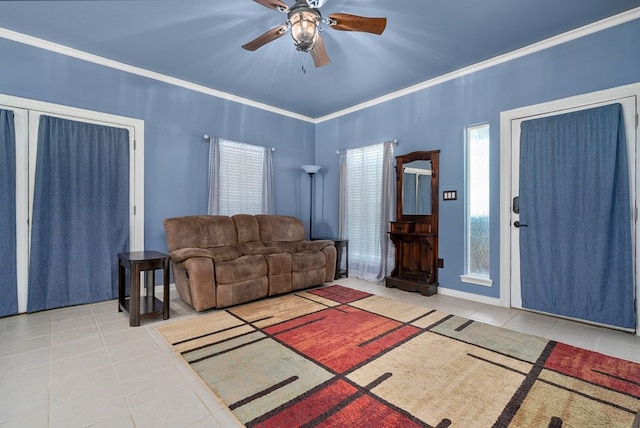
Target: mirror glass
{"x":416,"y":188}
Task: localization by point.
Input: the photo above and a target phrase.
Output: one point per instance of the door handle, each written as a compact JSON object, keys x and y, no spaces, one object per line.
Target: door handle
{"x":518,"y":224}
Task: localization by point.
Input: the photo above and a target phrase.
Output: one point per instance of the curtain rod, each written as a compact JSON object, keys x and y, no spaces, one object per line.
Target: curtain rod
{"x":394,"y":141}
{"x":208,"y":139}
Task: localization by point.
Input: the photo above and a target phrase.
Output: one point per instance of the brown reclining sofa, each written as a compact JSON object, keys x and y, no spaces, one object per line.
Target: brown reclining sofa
{"x":220,"y":261}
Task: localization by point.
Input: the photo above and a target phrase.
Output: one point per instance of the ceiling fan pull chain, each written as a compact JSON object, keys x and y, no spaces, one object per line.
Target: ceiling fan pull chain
{"x":304,"y":70}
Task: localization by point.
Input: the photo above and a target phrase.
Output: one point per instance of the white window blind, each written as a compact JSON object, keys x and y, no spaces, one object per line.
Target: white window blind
{"x":363,"y":210}
{"x":241,"y":178}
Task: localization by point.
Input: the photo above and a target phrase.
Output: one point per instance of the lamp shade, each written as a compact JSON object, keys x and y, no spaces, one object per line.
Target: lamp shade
{"x":311,"y":169}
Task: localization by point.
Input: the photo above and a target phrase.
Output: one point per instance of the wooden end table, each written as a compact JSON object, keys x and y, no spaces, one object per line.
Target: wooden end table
{"x":147,"y":306}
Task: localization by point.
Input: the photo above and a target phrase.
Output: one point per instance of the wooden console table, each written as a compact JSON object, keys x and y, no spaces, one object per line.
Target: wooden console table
{"x":148,"y":305}
{"x":416,"y":258}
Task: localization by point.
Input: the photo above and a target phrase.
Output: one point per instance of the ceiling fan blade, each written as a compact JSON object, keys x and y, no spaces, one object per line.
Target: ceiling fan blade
{"x":269,"y":36}
{"x":346,"y":22}
{"x":319,"y":53}
{"x":273,"y":4}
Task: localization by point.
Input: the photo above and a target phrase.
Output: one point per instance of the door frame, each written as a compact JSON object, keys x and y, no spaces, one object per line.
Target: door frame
{"x":23,"y":153}
{"x":506,"y":117}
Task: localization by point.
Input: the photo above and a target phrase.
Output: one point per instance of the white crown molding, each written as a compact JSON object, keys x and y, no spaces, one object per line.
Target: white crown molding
{"x":536,"y":47}
{"x":85,"y":56}
{"x":612,"y":21}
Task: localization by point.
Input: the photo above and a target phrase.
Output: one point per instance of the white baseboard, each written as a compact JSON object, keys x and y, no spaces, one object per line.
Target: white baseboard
{"x":469,"y":296}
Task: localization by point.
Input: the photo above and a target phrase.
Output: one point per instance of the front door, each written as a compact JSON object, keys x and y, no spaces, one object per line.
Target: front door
{"x":629,"y":107}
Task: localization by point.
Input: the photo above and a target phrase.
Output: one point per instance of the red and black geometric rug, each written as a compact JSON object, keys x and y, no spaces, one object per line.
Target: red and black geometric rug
{"x":335,"y":356}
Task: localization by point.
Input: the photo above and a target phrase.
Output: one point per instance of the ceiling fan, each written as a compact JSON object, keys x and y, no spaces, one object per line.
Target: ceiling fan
{"x":304,"y":19}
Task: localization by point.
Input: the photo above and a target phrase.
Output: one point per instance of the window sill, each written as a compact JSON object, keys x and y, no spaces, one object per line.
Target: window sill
{"x":485,"y":281}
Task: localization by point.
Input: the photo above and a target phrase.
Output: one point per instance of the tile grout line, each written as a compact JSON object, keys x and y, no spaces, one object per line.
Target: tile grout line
{"x":113,"y":368}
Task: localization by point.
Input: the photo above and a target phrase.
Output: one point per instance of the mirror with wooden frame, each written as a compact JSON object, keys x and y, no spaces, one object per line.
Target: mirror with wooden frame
{"x":416,"y":188}
{"x":415,"y":230}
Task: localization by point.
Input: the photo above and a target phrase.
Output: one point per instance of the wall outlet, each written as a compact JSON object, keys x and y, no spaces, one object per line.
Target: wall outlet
{"x":440,"y":263}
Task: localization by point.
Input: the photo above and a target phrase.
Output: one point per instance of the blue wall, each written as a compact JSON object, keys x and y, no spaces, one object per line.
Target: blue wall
{"x":435,"y":118}
{"x":176,"y":120}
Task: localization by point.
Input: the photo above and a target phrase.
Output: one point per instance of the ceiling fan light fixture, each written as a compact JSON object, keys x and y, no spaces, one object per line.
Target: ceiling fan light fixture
{"x":304,"y":20}
{"x":303,"y":23}
{"x":316,"y":3}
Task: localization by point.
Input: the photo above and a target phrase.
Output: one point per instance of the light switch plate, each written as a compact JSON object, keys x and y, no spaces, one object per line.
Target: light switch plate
{"x":449,"y":195}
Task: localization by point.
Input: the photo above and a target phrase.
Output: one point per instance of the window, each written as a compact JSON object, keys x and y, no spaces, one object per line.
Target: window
{"x":243,"y":179}
{"x":363,"y":210}
{"x":477,"y":205}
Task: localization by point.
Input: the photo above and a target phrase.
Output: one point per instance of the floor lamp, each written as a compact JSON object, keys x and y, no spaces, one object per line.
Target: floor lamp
{"x":311,"y":170}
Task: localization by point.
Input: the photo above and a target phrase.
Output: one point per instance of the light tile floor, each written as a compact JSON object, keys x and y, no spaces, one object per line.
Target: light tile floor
{"x":85,"y":367}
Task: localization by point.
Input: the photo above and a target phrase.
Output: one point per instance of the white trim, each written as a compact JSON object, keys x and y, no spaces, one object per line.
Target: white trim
{"x":20,"y":117}
{"x":485,"y":281}
{"x":594,"y":27}
{"x":469,"y":296}
{"x":470,"y":276}
{"x":74,"y":53}
{"x":527,"y":50}
{"x":505,"y":209}
{"x":137,"y":158}
{"x":26,"y":129}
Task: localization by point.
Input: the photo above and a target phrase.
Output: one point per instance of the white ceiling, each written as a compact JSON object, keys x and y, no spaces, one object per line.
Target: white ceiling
{"x":199,"y":41}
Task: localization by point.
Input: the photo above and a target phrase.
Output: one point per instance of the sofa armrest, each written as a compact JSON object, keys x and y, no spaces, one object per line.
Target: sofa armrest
{"x":200,"y":272}
{"x":182,"y":254}
{"x":221,"y":254}
{"x":314,"y":245}
{"x":330,"y":255}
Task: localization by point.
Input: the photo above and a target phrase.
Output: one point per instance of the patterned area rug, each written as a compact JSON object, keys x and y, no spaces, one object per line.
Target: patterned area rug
{"x":335,"y":356}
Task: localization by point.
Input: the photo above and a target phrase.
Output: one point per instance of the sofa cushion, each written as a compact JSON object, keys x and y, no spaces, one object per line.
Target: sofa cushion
{"x":200,"y":231}
{"x":218,"y":231}
{"x":228,"y":252}
{"x":241,"y":269}
{"x":246,"y":228}
{"x":305,"y":279}
{"x":301,"y":262}
{"x":241,"y":292}
{"x":260,"y":249}
{"x":183,"y":232}
{"x":285,"y":247}
{"x":280,"y":228}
